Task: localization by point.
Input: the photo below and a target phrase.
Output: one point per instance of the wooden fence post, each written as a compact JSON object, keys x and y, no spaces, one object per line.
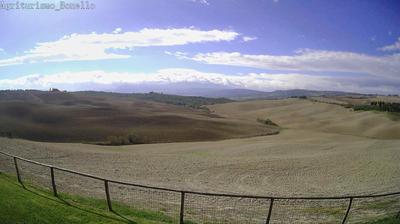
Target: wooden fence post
{"x":271,"y":204}
{"x":17,"y":170}
{"x":182,"y":211}
{"x":53,"y":182}
{"x":108,"y":195}
{"x":347,"y":211}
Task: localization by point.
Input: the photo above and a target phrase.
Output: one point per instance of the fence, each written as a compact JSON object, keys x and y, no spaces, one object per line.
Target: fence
{"x":180,"y":206}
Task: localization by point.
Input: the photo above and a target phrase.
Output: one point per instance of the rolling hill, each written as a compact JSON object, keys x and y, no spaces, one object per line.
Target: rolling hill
{"x":100,"y":117}
{"x":248,"y":94}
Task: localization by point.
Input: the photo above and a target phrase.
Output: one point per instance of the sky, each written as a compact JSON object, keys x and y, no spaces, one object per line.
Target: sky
{"x":263,"y":45}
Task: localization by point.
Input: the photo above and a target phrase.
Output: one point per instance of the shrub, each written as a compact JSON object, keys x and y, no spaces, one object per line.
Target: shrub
{"x":348,"y":106}
{"x":128,"y":139}
{"x":379,"y":106}
{"x":267,"y":122}
{"x":6,"y":134}
{"x":114,"y":140}
{"x":134,"y":139}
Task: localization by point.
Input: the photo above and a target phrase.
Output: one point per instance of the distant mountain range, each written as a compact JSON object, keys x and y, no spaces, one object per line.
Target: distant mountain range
{"x":213,"y":91}
{"x":206,"y":90}
{"x":247,"y":94}
{"x":218,"y":91}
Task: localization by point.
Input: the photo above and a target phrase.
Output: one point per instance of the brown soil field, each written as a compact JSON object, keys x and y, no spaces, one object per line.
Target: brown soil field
{"x":94,"y":117}
{"x":306,"y":115}
{"x":322,"y":150}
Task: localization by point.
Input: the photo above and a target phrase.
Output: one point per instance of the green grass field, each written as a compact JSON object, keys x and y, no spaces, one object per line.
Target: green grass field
{"x":30,"y":205}
{"x":386,"y":221}
{"x":35,"y":206}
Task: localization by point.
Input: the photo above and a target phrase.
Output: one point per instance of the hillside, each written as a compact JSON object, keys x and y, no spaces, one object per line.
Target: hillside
{"x":248,"y":94}
{"x":325,"y":115}
{"x":99,"y":117}
{"x":323,"y":149}
{"x":36,"y":205}
{"x":188,"y":101}
{"x":33,"y":205}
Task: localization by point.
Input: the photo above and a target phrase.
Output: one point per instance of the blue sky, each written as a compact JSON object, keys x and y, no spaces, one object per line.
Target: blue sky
{"x":257,"y":44}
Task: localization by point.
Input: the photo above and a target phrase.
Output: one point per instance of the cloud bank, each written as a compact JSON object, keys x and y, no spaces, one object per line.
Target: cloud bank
{"x":87,"y":47}
{"x":309,"y":60}
{"x":392,"y":47}
{"x":103,"y":81}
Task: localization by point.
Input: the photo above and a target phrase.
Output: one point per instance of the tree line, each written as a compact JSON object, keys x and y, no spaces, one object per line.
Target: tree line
{"x":380,"y":106}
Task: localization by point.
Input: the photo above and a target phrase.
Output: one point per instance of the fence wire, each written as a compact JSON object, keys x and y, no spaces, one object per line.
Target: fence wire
{"x":221,"y":209}
{"x":367,"y":209}
{"x":146,"y":200}
{"x":74,"y":184}
{"x":34,"y":175}
{"x":308,"y":211}
{"x":174,"y":206}
{"x":7,"y":164}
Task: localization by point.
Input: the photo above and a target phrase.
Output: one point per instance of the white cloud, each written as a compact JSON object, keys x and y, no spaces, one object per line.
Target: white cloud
{"x":85,"y":47}
{"x":393,"y":47}
{"x":117,"y":30}
{"x":101,"y":80}
{"x":310,"y":60}
{"x":178,"y":54}
{"x":204,"y":2}
{"x":247,"y":38}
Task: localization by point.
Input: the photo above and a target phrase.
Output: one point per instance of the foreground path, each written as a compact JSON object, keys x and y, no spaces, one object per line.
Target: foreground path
{"x":294,"y":162}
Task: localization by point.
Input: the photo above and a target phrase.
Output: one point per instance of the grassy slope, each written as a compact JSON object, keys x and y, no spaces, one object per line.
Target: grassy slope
{"x":34,"y":206}
{"x":31,"y":206}
{"x":386,"y":221}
